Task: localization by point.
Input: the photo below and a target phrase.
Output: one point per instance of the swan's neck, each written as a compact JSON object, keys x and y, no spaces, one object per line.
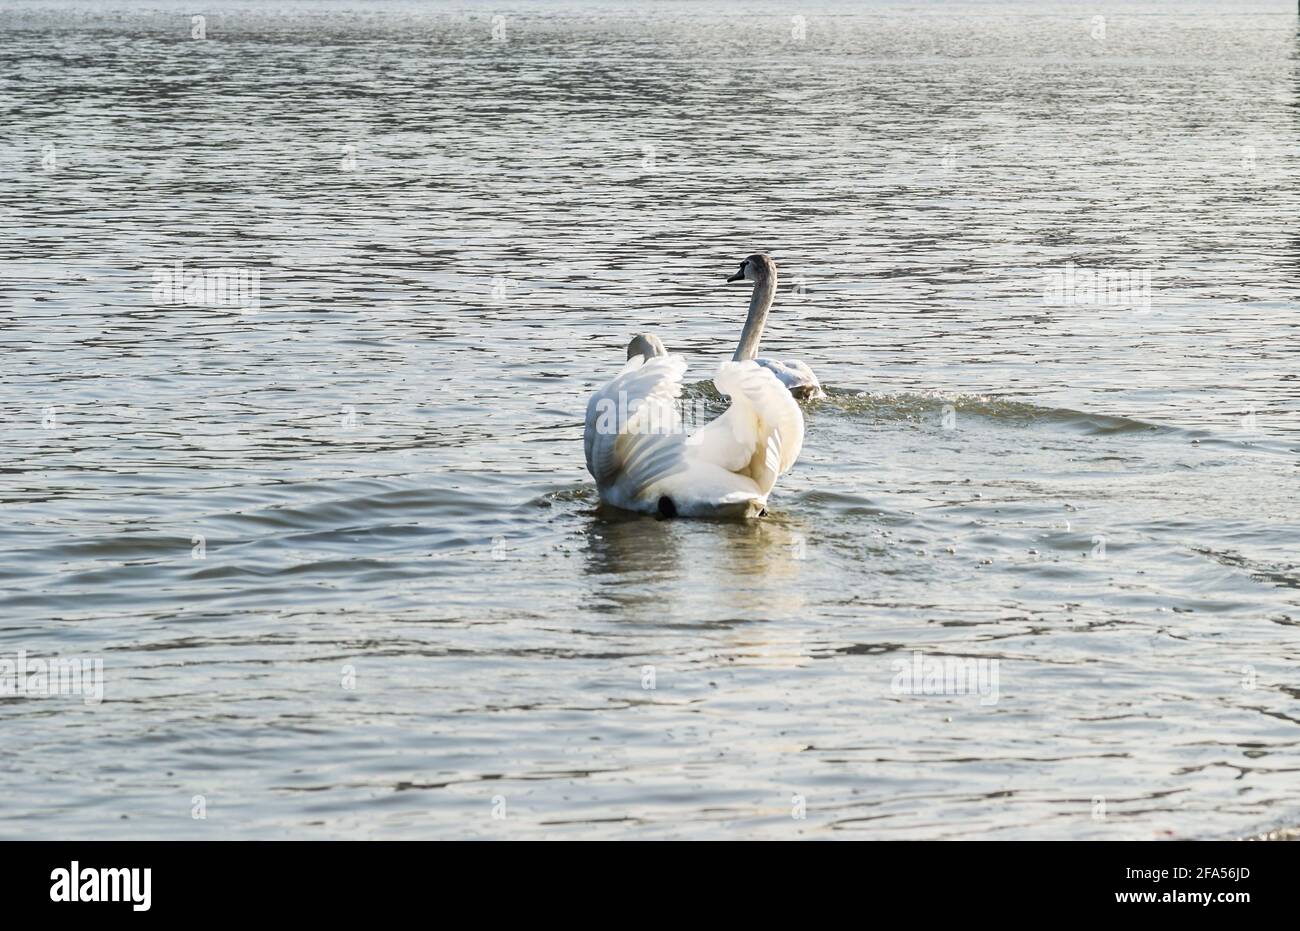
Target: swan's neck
{"x":759,"y":304}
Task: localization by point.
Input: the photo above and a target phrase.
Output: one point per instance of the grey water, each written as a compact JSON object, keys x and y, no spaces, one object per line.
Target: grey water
{"x":332,"y":538}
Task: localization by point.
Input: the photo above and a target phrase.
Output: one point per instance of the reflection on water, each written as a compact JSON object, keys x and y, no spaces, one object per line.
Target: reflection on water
{"x":748,"y":569}
{"x":340,"y":556}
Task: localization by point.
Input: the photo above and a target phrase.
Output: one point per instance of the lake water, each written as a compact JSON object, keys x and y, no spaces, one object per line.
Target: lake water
{"x":333,"y":540}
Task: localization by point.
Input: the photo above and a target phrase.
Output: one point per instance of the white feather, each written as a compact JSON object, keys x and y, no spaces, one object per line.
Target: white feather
{"x":639,"y":453}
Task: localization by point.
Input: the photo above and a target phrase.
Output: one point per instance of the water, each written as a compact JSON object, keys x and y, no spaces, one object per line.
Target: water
{"x":409,"y":616}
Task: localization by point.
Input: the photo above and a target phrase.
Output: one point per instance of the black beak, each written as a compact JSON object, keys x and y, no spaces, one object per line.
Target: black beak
{"x":738,"y":276}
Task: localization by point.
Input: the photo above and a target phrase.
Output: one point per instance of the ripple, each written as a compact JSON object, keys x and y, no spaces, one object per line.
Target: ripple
{"x":339,"y":553}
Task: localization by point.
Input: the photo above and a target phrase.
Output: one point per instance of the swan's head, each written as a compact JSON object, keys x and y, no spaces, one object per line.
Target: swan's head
{"x":757,"y":267}
{"x":647,"y":346}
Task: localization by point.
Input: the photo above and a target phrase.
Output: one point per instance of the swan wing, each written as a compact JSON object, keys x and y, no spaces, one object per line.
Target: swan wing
{"x":760,"y":434}
{"x":634,"y":434}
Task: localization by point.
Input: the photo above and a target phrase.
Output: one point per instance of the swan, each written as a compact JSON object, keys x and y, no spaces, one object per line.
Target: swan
{"x":795,"y":375}
{"x":636,"y":445}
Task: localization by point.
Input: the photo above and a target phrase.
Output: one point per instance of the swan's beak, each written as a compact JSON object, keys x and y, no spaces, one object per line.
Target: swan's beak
{"x":738,"y":276}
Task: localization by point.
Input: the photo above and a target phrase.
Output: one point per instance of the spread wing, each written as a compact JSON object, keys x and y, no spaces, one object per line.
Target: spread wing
{"x":760,"y":435}
{"x":634,"y":430}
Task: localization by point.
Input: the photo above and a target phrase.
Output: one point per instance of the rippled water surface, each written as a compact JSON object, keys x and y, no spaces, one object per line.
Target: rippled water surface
{"x":409,"y":618}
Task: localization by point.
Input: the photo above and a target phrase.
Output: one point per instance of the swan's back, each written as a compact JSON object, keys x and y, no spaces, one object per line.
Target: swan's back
{"x":642,"y":460}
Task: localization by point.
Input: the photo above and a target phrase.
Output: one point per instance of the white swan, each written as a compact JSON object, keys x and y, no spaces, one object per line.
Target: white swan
{"x":636,"y":444}
{"x":795,"y":375}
